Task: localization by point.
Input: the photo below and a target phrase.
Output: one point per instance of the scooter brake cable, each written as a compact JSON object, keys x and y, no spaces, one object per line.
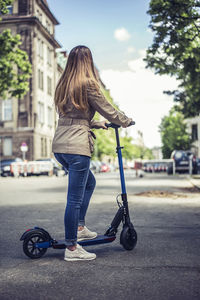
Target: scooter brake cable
{"x":119,"y":203}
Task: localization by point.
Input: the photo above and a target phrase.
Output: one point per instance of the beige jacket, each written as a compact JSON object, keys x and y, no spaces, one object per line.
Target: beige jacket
{"x":73,"y":134}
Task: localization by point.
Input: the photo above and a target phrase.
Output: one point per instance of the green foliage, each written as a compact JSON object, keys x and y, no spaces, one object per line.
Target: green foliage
{"x":15,"y":68}
{"x":175,"y":49}
{"x":105,"y":143}
{"x":3,"y":6}
{"x":132,"y":151}
{"x":174,"y":133}
{"x":129,"y":149}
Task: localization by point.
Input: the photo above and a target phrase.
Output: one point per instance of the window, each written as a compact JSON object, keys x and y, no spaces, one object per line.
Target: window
{"x":23,"y":7}
{"x":49,"y":85}
{"x":6,"y":110}
{"x":41,"y":112}
{"x":48,"y":26}
{"x":40,"y":79}
{"x":50,"y":117}
{"x":50,"y":146}
{"x":43,"y":144}
{"x":45,"y":147}
{"x":10,"y":9}
{"x":49,"y":56}
{"x":39,"y":15}
{"x":194,"y":132}
{"x":7,"y":146}
{"x":40,"y":48}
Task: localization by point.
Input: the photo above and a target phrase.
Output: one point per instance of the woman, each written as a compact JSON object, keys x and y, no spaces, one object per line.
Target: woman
{"x":77,"y":97}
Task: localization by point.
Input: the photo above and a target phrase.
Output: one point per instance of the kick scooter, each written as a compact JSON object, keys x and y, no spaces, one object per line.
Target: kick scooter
{"x":37,"y":240}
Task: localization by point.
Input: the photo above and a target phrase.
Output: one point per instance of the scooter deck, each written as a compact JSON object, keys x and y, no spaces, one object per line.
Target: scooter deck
{"x":100,"y":239}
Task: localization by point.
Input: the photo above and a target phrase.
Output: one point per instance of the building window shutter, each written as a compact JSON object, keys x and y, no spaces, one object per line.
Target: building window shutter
{"x":23,"y":7}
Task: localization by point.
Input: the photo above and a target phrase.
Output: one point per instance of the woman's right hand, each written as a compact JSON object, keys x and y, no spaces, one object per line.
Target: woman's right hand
{"x":102,"y":124}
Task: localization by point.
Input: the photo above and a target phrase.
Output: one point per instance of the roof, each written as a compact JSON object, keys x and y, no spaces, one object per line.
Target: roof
{"x":44,"y":5}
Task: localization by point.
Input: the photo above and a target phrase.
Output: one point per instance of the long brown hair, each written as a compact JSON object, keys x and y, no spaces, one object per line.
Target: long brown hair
{"x":77,"y":75}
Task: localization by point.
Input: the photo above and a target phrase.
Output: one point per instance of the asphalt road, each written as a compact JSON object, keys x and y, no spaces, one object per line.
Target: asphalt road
{"x":164,"y":265}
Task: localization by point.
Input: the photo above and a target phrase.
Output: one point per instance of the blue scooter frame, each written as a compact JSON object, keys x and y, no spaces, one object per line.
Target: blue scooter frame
{"x":37,"y":240}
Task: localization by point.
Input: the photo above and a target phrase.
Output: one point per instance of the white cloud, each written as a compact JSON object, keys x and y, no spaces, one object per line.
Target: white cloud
{"x":149,"y":30}
{"x":130,"y":49}
{"x":121,"y":34}
{"x":142,"y":53}
{"x":136,"y":65}
{"x":139,"y":93}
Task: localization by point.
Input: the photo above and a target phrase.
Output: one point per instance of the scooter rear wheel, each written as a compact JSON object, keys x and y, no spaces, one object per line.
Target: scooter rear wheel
{"x":128,"y":238}
{"x":29,"y":247}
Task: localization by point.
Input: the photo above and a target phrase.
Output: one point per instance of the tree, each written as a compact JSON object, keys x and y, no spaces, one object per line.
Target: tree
{"x":105,"y":143}
{"x":3,"y":6}
{"x":174,"y":134}
{"x":105,"y":139}
{"x":132,"y":151}
{"x":15,"y":68}
{"x":175,"y":49}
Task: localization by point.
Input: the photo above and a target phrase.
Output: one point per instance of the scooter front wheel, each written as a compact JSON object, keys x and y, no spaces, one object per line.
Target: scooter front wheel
{"x":29,"y":247}
{"x":128,"y":238}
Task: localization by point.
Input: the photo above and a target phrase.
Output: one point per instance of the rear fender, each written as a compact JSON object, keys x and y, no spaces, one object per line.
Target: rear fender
{"x":36,"y":230}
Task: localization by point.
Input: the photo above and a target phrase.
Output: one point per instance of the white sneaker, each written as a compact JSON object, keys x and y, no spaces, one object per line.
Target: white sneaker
{"x":78,"y":254}
{"x":85,"y":234}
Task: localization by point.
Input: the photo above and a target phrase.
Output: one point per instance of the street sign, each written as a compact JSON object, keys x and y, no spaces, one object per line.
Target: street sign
{"x":24,"y":147}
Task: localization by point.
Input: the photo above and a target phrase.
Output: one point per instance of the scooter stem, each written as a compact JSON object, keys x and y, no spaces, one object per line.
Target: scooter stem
{"x":119,"y":154}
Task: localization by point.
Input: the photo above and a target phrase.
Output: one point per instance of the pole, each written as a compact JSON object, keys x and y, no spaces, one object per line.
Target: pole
{"x":23,"y":155}
{"x":174,"y":167}
{"x":190,"y":165}
{"x":0,"y":156}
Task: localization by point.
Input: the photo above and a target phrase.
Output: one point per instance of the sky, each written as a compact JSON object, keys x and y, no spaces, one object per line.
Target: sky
{"x":118,"y":35}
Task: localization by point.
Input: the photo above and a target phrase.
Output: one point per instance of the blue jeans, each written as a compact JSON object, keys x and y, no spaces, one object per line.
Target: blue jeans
{"x":80,"y":188}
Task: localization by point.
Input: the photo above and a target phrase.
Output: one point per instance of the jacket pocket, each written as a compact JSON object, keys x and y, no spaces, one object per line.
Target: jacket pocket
{"x":91,"y":137}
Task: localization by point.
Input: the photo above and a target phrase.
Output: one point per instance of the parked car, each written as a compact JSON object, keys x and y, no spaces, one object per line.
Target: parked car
{"x":182,"y":162}
{"x":56,"y":167}
{"x":112,"y":167}
{"x":198,"y":165}
{"x":104,"y":167}
{"x":148,"y":167}
{"x":95,"y":166}
{"x":5,"y":166}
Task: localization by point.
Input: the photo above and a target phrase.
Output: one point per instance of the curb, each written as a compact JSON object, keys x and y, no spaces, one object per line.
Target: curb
{"x":195,"y":182}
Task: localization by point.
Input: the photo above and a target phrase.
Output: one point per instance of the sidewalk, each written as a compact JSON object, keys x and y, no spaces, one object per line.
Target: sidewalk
{"x":195,"y":180}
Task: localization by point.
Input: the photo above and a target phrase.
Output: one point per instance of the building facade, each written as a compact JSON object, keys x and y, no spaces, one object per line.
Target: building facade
{"x":32,"y":119}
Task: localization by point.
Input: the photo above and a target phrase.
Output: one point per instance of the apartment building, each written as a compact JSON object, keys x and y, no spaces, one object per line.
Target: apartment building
{"x":32,"y":119}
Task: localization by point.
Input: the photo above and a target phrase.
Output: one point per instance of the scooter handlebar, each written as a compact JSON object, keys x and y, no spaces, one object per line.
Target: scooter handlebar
{"x":112,"y":125}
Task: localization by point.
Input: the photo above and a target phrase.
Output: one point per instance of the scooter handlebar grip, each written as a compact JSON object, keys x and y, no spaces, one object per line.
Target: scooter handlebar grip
{"x":112,"y":125}
{"x":132,"y":123}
